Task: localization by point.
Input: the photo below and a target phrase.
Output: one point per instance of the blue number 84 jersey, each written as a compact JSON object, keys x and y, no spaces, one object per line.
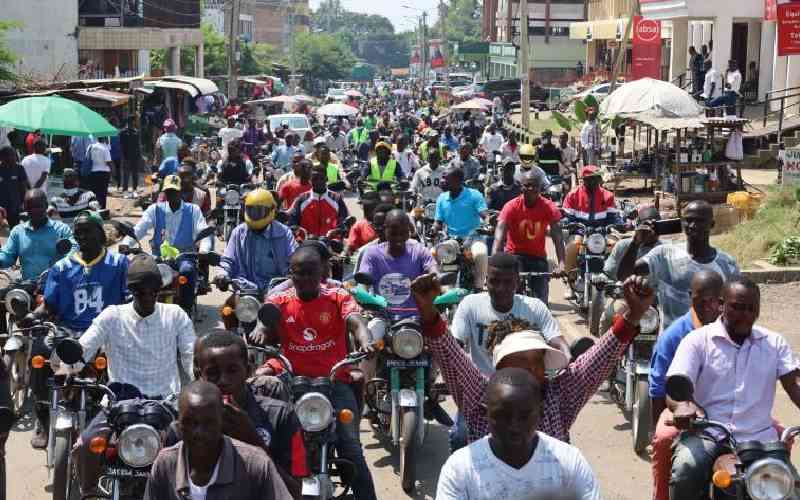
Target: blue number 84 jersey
{"x":77,"y":294}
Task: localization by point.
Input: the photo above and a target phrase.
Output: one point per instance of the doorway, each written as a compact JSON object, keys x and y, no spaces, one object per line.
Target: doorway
{"x":739,"y":48}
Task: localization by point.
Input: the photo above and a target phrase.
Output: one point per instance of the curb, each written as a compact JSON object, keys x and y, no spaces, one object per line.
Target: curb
{"x":775,"y":275}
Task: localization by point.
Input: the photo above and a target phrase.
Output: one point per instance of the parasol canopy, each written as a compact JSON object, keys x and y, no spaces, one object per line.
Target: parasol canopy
{"x":650,"y":97}
{"x":55,"y":115}
{"x":472,"y":104}
{"x":337,"y":110}
{"x":280,"y":99}
{"x":353,"y":93}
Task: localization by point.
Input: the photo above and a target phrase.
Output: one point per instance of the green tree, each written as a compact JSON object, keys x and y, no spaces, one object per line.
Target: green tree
{"x":321,"y":56}
{"x":462,"y":21}
{"x":7,"y":57}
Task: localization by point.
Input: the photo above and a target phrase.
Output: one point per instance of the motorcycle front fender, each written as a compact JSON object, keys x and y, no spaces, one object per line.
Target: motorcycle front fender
{"x":65,"y":420}
{"x":14,"y":343}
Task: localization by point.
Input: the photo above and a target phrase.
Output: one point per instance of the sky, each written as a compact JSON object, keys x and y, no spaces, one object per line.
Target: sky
{"x":393,"y":9}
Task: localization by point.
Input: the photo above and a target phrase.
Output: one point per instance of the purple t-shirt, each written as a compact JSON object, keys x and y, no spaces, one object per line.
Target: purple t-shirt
{"x":393,"y":275}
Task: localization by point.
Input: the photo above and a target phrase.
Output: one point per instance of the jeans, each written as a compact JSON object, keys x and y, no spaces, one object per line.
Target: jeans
{"x":130,"y":170}
{"x":728,"y":99}
{"x":540,"y":285}
{"x":693,"y":457}
{"x":98,"y":184}
{"x":349,"y":445}
{"x":458,"y":433}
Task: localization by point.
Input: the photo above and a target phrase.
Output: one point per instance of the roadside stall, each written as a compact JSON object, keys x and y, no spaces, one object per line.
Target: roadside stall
{"x":191,"y":102}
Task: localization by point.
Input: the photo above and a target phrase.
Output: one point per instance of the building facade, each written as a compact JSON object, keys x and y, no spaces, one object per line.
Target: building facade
{"x":217,"y":15}
{"x":275,"y":21}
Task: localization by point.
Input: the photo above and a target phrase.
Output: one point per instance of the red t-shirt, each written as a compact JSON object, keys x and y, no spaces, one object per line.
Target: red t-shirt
{"x":527,"y":227}
{"x":30,"y":139}
{"x":361,"y":233}
{"x":314,"y":334}
{"x":291,"y":190}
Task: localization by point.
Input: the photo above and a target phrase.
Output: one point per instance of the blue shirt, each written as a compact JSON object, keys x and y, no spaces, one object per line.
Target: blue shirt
{"x":258,"y":256}
{"x":36,"y":250}
{"x":77,"y":294}
{"x":282,"y":156}
{"x":450,"y":142}
{"x":170,"y":144}
{"x":664,"y":351}
{"x":78,"y":147}
{"x":116,"y":148}
{"x":462,"y":215}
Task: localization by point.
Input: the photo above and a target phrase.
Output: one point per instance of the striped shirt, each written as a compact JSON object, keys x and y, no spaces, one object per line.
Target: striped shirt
{"x":70,"y":206}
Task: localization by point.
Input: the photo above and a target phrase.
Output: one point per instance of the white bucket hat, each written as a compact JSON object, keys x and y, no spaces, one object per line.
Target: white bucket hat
{"x":529,"y":340}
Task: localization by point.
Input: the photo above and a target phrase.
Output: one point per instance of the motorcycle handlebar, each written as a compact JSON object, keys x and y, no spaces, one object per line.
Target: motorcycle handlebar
{"x":351,"y":359}
{"x":273,"y":353}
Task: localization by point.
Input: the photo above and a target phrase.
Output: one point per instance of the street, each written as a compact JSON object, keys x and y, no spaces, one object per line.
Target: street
{"x":602,"y":431}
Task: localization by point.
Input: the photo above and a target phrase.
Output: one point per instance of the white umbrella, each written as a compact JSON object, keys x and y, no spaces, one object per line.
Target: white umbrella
{"x":353,"y":93}
{"x":654,"y":97}
{"x":337,"y":110}
{"x":280,"y":99}
{"x":303,"y":98}
{"x":471,"y":104}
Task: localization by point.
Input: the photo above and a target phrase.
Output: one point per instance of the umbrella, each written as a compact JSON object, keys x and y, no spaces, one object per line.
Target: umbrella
{"x":280,"y":99}
{"x":471,"y":104}
{"x":54,"y":115}
{"x":401,"y":92}
{"x":653,"y":97}
{"x":353,"y":93}
{"x":484,"y":102}
{"x":303,"y":98}
{"x":337,"y":110}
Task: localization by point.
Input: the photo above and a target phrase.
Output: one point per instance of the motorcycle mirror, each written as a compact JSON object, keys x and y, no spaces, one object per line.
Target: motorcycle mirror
{"x":124,"y":228}
{"x":205,"y":233}
{"x":7,"y":419}
{"x":680,"y":388}
{"x":447,"y":278}
{"x":69,"y":351}
{"x":63,"y":246}
{"x":580,"y":346}
{"x":364,"y":279}
{"x":269,"y":315}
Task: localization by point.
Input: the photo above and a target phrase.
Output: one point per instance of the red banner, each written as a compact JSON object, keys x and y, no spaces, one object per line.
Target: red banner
{"x":415,"y":59}
{"x":770,"y":10}
{"x":437,"y":58}
{"x":646,"y":49}
{"x":789,"y":29}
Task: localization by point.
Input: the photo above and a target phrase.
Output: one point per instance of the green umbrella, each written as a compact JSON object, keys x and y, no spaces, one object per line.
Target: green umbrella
{"x":54,"y":115}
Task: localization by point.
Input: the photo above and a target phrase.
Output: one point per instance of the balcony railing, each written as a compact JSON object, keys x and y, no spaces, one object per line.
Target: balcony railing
{"x":139,"y":13}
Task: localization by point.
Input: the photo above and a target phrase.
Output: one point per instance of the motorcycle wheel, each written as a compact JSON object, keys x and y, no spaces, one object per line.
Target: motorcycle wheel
{"x":640,"y":415}
{"x":65,"y":487}
{"x":596,"y":312}
{"x":16,"y":366}
{"x":408,"y":448}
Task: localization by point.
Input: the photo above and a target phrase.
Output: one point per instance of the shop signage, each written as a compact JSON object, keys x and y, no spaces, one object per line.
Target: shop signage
{"x":788,"y":29}
{"x":646,"y":50}
{"x":437,"y":58}
{"x":791,"y":166}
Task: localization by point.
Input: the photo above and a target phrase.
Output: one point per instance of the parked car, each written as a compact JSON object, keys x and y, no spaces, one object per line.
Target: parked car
{"x":298,"y":123}
{"x":599,"y":92}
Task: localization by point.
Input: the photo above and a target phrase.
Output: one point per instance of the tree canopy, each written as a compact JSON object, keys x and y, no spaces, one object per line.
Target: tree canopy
{"x":7,"y":57}
{"x":322,"y":56}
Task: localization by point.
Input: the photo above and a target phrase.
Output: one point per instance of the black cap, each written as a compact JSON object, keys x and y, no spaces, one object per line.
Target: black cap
{"x":143,"y":268}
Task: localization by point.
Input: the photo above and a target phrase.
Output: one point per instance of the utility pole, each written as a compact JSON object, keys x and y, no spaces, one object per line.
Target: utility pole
{"x":233,"y":50}
{"x":524,"y":64}
{"x":445,"y":48}
{"x":424,"y":48}
{"x":623,"y":50}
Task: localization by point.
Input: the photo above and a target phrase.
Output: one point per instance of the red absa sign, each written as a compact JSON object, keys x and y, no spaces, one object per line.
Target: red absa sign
{"x":789,"y":29}
{"x":646,"y":50}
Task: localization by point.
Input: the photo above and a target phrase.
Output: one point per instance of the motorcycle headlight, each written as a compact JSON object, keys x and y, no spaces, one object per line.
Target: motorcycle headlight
{"x":167,"y":274}
{"x":139,"y":445}
{"x":430,"y":210}
{"x":18,"y":302}
{"x":231,"y":198}
{"x":447,"y":251}
{"x":247,"y":309}
{"x":314,"y":411}
{"x":769,"y":479}
{"x":407,"y":343}
{"x":596,"y":243}
{"x":649,"y":321}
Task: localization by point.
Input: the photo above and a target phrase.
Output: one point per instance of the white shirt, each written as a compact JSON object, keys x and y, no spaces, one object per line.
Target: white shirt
{"x":172,"y":221}
{"x":555,"y":470}
{"x":712,"y":78}
{"x":426,"y":183}
{"x":569,"y":155}
{"x":734,"y":79}
{"x":508,"y":154}
{"x":590,"y":136}
{"x":101,"y":155}
{"x":408,"y":161}
{"x":491,"y":142}
{"x":141,"y":351}
{"x":35,"y":166}
{"x":498,"y":104}
{"x":200,"y":492}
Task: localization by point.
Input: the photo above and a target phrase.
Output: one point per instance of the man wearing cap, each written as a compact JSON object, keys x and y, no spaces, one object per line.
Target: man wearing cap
{"x":563,"y":395}
{"x":177,"y":223}
{"x":383,"y":167}
{"x":461,"y":209}
{"x":591,"y":141}
{"x":77,"y":289}
{"x":149,"y":345}
{"x":315,"y":155}
{"x":190,"y":193}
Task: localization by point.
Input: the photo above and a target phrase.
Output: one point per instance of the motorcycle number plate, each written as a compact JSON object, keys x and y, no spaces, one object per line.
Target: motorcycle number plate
{"x":420,"y":362}
{"x":64,"y":421}
{"x":449,"y":268}
{"x":310,"y":486}
{"x":408,"y":397}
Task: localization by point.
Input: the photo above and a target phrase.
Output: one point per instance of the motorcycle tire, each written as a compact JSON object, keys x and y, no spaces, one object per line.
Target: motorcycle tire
{"x":595,"y":313}
{"x":408,"y":448}
{"x":65,"y":485}
{"x":18,"y":387}
{"x":640,"y":415}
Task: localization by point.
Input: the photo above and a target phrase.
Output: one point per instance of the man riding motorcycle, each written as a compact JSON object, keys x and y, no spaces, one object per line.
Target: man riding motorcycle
{"x":428,"y":180}
{"x":549,"y":155}
{"x":319,"y":210}
{"x":382,"y":168}
{"x":191,"y":193}
{"x":235,"y":169}
{"x":77,"y":289}
{"x":527,"y":162}
{"x":175,"y":223}
{"x":259,"y":249}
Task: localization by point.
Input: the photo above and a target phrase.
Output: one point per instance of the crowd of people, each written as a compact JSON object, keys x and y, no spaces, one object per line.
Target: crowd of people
{"x":501,"y":354}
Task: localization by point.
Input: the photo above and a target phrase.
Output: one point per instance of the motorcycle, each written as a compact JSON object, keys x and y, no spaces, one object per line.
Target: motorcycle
{"x":453,"y":256}
{"x":593,"y":248}
{"x":752,"y":469}
{"x":228,"y":211}
{"x":331,"y":476}
{"x":423,"y":223}
{"x":137,"y":429}
{"x":555,"y":189}
{"x":628,"y":382}
{"x":176,"y":286}
{"x":74,"y":402}
{"x":403,"y":394}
